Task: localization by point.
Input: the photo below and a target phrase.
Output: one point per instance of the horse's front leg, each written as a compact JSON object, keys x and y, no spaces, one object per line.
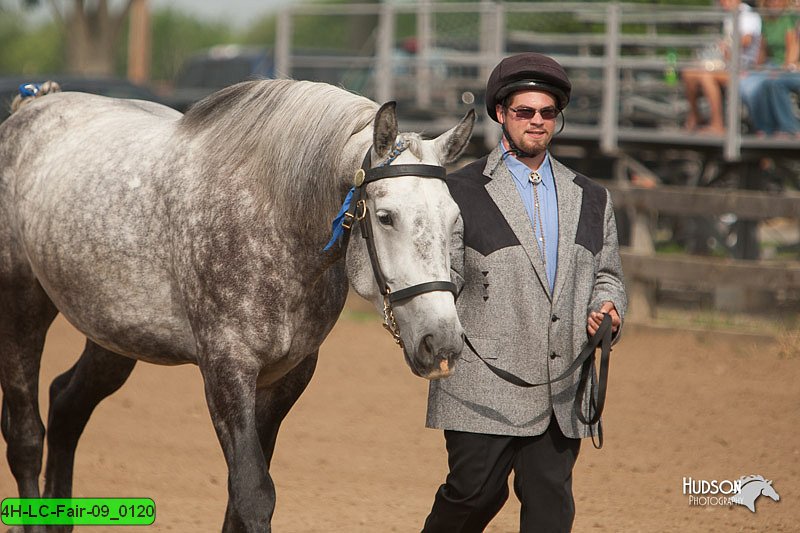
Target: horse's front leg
{"x":274,"y":402}
{"x":230,"y":386}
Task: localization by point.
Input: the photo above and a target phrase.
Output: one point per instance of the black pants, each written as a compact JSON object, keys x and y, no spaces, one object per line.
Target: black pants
{"x":477,"y":485}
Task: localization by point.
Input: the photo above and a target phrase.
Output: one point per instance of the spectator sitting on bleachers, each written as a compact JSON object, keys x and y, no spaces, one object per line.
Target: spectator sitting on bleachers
{"x":780,"y":88}
{"x":712,"y":75}
{"x":767,"y":90}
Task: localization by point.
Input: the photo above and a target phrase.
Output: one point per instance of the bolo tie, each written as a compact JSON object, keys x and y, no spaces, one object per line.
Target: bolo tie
{"x":538,"y":219}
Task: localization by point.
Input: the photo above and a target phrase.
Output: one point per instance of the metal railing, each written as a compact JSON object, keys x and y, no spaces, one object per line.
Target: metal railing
{"x":617,"y":55}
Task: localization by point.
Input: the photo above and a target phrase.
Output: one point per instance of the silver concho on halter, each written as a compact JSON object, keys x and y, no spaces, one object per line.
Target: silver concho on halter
{"x":359,"y":176}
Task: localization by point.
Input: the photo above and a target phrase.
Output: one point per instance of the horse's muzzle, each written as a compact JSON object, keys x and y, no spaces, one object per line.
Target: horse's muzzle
{"x":433,"y":361}
{"x":442,"y":372}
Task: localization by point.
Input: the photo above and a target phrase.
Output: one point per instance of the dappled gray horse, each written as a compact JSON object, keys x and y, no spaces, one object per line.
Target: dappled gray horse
{"x":199,"y":239}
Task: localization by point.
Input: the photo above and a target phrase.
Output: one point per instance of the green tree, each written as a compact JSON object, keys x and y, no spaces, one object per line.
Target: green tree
{"x":177,"y":35}
{"x":353,"y":32}
{"x":28,"y":50}
{"x":91,"y":30}
{"x":261,"y":32}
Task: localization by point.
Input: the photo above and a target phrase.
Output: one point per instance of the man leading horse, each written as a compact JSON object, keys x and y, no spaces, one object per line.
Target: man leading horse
{"x":537,"y":268}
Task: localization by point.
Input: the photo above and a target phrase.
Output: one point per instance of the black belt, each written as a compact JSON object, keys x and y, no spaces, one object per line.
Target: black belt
{"x":601,"y":339}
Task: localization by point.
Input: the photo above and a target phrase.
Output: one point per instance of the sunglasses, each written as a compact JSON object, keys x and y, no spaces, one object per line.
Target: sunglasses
{"x":527,"y":113}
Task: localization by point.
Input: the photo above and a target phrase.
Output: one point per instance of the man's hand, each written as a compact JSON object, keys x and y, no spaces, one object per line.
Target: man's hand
{"x":596,"y":317}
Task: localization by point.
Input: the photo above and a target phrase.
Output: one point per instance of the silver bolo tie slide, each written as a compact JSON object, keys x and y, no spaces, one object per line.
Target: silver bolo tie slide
{"x":535,"y":178}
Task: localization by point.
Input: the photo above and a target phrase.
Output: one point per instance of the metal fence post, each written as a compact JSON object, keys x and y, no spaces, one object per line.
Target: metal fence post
{"x":283,"y":43}
{"x":733,"y":137}
{"x":493,"y":37}
{"x":384,"y":69}
{"x":423,"y":54}
{"x":609,"y":113}
{"x":140,"y":41}
{"x":641,"y":223}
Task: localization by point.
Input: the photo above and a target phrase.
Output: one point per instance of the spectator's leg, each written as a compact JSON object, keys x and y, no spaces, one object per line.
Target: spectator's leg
{"x":691,"y":86}
{"x":753,"y":91}
{"x":784,"y":107}
{"x":712,"y":84}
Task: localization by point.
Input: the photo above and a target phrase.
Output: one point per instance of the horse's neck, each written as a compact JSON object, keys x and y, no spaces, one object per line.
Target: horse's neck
{"x":318,"y":234}
{"x":353,"y":158}
{"x":343,"y":178}
{"x":354,"y":153}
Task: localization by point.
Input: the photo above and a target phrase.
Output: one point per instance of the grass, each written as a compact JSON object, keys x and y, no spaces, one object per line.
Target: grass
{"x":788,"y":341}
{"x":778,"y":326}
{"x":356,"y":315}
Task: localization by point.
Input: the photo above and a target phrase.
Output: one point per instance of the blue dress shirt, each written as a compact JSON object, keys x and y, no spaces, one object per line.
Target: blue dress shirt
{"x":548,"y":204}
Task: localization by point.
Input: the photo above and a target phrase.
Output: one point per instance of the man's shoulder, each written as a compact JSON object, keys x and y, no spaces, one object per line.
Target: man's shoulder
{"x":582,"y":180}
{"x":589,"y":185}
{"x":468,"y":183}
{"x":469,"y":173}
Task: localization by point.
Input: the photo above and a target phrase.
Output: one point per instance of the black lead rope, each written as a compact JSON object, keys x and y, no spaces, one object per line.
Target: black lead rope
{"x":585,"y":361}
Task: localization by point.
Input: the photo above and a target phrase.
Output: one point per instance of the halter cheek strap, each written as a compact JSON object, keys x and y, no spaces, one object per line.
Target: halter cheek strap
{"x":358,"y":212}
{"x":361,"y":213}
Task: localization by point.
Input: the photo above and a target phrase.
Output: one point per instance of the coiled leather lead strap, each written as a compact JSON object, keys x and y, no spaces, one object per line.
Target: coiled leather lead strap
{"x":601,"y":339}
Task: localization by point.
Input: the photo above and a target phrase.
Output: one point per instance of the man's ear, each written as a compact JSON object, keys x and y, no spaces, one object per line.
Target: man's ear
{"x":498,"y":110}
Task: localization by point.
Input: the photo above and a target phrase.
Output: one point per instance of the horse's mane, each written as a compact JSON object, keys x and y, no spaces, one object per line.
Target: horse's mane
{"x":291,"y":133}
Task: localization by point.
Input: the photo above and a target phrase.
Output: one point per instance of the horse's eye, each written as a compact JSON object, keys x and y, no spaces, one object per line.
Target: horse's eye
{"x":385,"y":218}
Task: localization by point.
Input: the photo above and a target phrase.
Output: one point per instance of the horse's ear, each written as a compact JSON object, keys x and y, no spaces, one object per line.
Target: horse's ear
{"x":452,"y":143}
{"x":385,"y":131}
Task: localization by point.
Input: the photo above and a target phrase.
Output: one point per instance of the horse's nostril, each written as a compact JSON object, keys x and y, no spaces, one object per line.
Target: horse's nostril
{"x":426,"y":346}
{"x":428,"y":340}
{"x":431,"y":354}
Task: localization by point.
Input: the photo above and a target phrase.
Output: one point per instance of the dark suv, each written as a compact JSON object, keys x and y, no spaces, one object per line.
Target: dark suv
{"x":215,"y":68}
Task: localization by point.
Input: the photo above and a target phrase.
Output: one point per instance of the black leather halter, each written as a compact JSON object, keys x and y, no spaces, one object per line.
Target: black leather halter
{"x":359,"y":212}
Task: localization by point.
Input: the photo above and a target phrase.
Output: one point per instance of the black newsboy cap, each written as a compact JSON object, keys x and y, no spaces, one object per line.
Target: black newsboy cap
{"x":528,"y":70}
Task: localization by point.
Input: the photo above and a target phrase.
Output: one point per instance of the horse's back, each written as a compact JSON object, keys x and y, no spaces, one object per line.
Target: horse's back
{"x":48,"y":136}
{"x":81,"y":189}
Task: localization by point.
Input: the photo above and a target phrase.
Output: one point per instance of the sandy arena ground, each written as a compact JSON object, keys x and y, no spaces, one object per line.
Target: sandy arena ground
{"x":354,"y":456}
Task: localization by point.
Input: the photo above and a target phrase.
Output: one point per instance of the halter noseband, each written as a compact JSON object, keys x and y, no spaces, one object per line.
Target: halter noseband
{"x":357,"y":211}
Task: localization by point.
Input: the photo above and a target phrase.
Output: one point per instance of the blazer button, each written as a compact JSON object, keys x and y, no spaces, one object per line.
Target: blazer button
{"x":553,"y":355}
{"x":554,"y":318}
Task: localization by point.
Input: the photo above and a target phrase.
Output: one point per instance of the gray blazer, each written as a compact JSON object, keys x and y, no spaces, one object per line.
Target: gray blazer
{"x":505,"y":306}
